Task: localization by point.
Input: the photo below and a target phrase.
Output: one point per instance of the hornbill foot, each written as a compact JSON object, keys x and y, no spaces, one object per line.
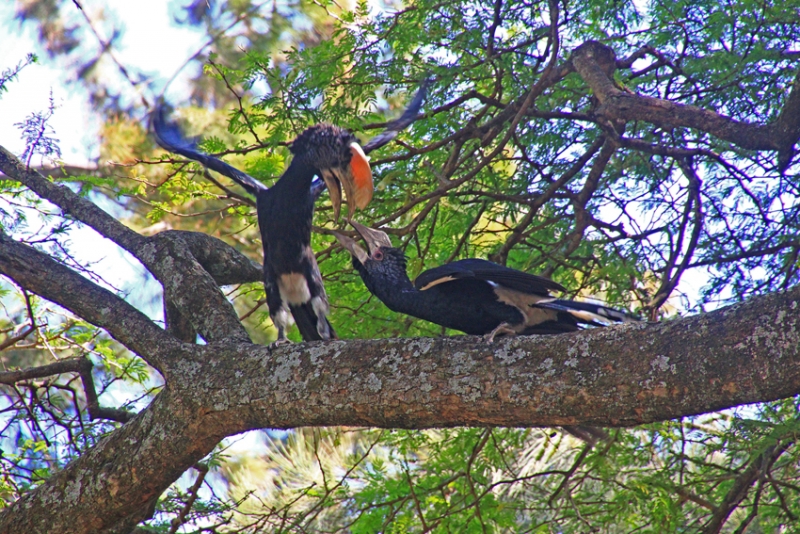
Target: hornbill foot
{"x":280,"y":341}
{"x":502,"y":328}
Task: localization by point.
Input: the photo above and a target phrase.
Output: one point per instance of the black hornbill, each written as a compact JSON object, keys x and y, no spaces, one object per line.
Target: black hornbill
{"x":475,"y":296}
{"x":291,"y":275}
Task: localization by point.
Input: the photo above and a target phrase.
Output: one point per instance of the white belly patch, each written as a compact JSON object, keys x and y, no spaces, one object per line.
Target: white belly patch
{"x":294,"y":288}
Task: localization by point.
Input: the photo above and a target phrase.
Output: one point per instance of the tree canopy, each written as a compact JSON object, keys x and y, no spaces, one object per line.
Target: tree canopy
{"x":630,"y":151}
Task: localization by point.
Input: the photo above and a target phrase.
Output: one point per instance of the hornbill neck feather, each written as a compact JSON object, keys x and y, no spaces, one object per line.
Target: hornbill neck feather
{"x":298,"y":175}
{"x":389,"y":281}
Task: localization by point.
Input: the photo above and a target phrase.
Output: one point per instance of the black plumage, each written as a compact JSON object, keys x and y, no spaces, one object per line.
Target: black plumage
{"x":291,"y":275}
{"x":474,"y":296}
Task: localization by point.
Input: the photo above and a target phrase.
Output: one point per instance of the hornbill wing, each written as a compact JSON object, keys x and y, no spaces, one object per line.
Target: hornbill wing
{"x":489,"y":272}
{"x":398,"y":125}
{"x":169,"y":136}
{"x":591,"y":314}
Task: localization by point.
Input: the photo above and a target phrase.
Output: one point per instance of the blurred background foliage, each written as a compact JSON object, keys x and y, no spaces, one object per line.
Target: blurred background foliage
{"x":658,"y":221}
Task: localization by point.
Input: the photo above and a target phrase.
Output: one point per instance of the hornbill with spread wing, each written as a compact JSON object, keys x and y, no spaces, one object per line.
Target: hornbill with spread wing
{"x":475,"y":296}
{"x":291,"y":275}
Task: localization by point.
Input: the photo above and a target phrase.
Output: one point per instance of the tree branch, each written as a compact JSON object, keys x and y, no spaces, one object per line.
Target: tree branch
{"x":223,"y":262}
{"x":616,"y":376}
{"x":69,"y":365}
{"x":595,"y":63}
{"x":27,"y":267}
{"x":756,"y":470}
{"x":165,"y":256}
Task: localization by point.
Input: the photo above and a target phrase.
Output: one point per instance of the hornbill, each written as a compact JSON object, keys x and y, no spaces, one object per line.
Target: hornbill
{"x":475,"y":296}
{"x":291,"y":275}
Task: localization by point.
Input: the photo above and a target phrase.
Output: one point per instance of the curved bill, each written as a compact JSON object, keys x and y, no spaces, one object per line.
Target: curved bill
{"x":373,"y":238}
{"x":352,"y":247}
{"x":334,"y":190}
{"x":355,"y":179}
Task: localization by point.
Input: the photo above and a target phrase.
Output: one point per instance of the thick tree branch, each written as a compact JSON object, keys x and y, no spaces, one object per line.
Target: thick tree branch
{"x":40,"y":274}
{"x":595,"y":62}
{"x":191,"y":289}
{"x":139,"y":454}
{"x":615,"y":376}
{"x":166,"y":256}
{"x":223,"y":262}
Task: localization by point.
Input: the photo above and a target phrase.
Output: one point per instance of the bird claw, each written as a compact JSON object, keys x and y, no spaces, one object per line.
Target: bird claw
{"x":502,"y":328}
{"x":280,"y":341}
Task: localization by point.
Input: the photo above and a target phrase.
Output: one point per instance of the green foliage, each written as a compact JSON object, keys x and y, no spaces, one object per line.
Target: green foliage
{"x":460,"y":183}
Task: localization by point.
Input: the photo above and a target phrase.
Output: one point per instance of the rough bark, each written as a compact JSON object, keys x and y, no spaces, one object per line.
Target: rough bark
{"x":618,"y":376}
{"x":167,"y":257}
{"x":594,"y":62}
{"x":62,"y":285}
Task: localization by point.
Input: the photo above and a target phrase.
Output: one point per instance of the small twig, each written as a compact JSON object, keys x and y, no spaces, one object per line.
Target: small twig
{"x":92,"y":402}
{"x":569,"y":473}
{"x":202,"y":471}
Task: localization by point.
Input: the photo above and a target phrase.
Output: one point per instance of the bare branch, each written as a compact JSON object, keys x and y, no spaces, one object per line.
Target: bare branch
{"x":69,"y":365}
{"x":595,"y":63}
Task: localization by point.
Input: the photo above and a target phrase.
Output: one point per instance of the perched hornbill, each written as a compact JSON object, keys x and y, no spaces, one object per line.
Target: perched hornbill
{"x":291,"y":275}
{"x":475,"y":296}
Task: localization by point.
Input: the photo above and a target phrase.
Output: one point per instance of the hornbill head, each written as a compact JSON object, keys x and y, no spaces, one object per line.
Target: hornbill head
{"x":340,"y":161}
{"x":382,"y":263}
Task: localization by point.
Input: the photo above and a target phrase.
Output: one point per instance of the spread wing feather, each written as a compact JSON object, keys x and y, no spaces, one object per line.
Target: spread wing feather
{"x":169,"y":136}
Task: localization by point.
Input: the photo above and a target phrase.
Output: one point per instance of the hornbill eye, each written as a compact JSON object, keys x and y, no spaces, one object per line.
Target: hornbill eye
{"x":377,"y":255}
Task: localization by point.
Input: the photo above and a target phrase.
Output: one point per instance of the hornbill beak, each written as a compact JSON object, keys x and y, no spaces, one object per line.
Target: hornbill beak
{"x":373,"y":238}
{"x":352,"y":247}
{"x":355,"y":178}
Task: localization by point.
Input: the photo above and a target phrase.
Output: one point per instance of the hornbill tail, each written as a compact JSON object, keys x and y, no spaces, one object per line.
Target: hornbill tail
{"x":168,"y":135}
{"x":591,"y":314}
{"x":311,"y":325}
